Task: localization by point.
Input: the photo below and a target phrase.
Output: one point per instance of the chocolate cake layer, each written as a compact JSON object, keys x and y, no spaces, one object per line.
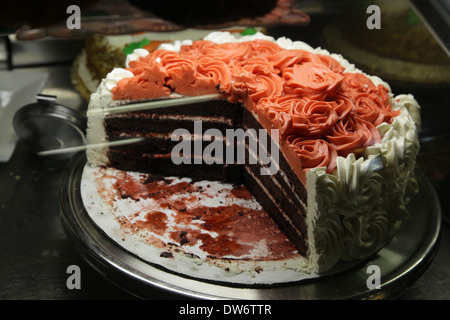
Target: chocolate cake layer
{"x":157,"y":126}
{"x":281,"y":193}
{"x":284,"y":197}
{"x":287,"y":206}
{"x":219,"y":114}
{"x":132,"y":160}
{"x":272,"y":207}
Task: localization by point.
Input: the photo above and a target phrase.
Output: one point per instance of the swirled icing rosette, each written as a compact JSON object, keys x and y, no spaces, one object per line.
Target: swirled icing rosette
{"x":313,"y":118}
{"x":284,"y":59}
{"x":331,"y":63}
{"x":275,"y":112}
{"x":312,"y":80}
{"x":260,"y":83}
{"x":264,"y":47}
{"x":343,"y":106}
{"x":353,"y":135}
{"x":229,"y":53}
{"x":355,"y":83}
{"x":147,"y":81}
{"x":314,"y":152}
{"x":359,"y":220}
{"x":370,"y":107}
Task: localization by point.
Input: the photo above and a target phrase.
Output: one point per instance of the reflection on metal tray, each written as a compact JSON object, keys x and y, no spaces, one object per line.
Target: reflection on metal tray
{"x":401,"y":262}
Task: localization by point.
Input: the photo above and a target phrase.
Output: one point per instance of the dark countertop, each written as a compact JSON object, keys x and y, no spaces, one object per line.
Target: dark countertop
{"x":35,"y":252}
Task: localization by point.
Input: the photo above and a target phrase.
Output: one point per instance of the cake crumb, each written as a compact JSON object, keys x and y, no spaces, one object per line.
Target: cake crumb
{"x":166,"y":254}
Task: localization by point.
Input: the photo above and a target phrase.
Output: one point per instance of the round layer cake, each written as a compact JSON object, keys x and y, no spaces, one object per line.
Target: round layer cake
{"x":342,"y":145}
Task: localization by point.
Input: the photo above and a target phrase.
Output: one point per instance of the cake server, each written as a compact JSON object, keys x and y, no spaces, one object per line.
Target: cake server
{"x":84,"y":147}
{"x":156,"y":104}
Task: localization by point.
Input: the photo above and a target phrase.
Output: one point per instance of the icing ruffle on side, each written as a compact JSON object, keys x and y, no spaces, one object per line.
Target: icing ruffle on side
{"x":366,"y":198}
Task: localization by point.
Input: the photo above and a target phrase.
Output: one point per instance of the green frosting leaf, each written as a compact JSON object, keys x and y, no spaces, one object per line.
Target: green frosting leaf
{"x":248,"y":31}
{"x":128,"y":49}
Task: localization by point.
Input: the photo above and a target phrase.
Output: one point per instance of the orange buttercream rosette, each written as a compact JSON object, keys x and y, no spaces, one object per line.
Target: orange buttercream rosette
{"x":314,"y":152}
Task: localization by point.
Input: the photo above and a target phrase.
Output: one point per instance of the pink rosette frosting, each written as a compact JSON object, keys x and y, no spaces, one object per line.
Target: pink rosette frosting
{"x":369,"y":107}
{"x":238,"y":52}
{"x":353,"y":135}
{"x":331,"y":63}
{"x":253,"y":81}
{"x":209,"y":73}
{"x":314,"y":153}
{"x":356,"y":83}
{"x":343,"y":106}
{"x":370,"y":102}
{"x":263,"y":47}
{"x":147,"y":83}
{"x":278,"y":104}
{"x":312,"y":80}
{"x":284,"y":59}
{"x":281,"y":121}
{"x":313,"y":118}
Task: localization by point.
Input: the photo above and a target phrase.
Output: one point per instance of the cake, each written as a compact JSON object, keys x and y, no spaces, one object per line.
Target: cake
{"x":335,"y":150}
